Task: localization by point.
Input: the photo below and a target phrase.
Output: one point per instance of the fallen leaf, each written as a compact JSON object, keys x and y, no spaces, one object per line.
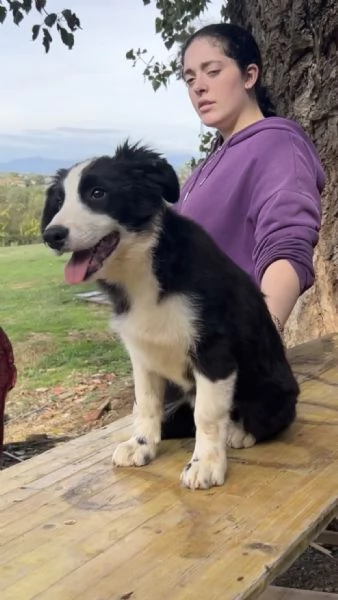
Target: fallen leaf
{"x":96,"y":413}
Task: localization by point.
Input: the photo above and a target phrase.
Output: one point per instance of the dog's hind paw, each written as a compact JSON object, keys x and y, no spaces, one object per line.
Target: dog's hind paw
{"x":237,"y":437}
{"x":134,"y":452}
{"x":203,"y":473}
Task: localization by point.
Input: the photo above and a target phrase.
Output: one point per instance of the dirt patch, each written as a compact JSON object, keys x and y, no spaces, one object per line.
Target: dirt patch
{"x":313,"y":570}
{"x":50,"y":413}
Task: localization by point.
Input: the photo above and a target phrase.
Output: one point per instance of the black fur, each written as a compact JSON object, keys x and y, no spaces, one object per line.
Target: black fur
{"x":55,"y":196}
{"x":235,"y":330}
{"x":136,"y":178}
{"x":117,"y":295}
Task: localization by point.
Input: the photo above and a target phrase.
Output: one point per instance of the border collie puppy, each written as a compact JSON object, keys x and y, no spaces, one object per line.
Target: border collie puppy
{"x":207,"y":359}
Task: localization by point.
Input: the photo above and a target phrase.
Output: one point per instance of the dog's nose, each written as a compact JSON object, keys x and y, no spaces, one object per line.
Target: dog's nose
{"x":55,"y":236}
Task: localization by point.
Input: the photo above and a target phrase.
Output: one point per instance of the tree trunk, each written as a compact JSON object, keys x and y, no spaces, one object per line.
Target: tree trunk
{"x":299,"y":44}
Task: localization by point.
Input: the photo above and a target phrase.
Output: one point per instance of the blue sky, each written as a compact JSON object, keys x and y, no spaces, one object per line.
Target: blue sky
{"x":74,"y":104}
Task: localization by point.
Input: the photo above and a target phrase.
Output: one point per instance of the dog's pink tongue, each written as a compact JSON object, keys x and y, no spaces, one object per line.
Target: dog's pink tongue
{"x":77,"y":266}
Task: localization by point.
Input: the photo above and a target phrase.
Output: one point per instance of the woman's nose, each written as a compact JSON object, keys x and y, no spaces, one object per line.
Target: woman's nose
{"x":200,"y":85}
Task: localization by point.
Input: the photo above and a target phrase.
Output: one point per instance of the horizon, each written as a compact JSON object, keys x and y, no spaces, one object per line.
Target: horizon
{"x":81,"y":102}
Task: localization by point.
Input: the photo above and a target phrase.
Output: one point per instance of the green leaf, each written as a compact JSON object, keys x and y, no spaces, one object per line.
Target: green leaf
{"x":40,"y":5}
{"x":27,"y":5}
{"x":130,"y":55}
{"x":156,"y":84}
{"x":158,"y":25}
{"x":3,"y":14}
{"x":47,"y":39}
{"x":66,"y":37}
{"x":71,"y":19}
{"x":17,"y":17}
{"x":35,"y":31}
{"x":168,"y":44}
{"x":51,"y":19}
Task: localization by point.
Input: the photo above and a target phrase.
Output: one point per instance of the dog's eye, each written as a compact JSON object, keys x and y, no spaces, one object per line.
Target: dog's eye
{"x":98,"y":193}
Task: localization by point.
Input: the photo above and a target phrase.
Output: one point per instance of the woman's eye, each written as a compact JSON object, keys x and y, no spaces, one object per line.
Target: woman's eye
{"x":214,"y":72}
{"x":189,"y":81}
{"x":98,"y":193}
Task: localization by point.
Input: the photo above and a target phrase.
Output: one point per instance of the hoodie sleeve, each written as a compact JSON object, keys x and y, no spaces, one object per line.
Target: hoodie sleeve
{"x":287,"y":218}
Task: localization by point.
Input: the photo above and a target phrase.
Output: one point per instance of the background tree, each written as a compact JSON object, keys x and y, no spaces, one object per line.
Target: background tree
{"x":64,"y":23}
{"x":21,"y":202}
{"x":299,"y":44}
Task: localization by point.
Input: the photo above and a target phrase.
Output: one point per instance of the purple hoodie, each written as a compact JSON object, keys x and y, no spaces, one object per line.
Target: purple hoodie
{"x":258,"y":196}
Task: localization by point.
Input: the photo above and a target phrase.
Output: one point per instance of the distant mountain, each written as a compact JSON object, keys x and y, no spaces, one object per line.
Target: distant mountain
{"x":34,"y":165}
{"x":48,"y":166}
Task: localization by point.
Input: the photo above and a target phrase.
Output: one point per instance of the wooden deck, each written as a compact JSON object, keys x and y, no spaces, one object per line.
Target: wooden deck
{"x":72,"y":527}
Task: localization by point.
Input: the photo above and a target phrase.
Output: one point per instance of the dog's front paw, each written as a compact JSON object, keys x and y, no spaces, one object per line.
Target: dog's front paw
{"x":204,"y":473}
{"x":237,"y":437}
{"x":134,"y":452}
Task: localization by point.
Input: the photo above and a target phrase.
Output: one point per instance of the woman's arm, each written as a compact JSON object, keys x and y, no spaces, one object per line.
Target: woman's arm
{"x":281,"y":287}
{"x":286,"y":218}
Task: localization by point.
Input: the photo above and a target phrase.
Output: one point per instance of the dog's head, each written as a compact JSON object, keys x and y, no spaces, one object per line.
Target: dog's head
{"x":93,"y":207}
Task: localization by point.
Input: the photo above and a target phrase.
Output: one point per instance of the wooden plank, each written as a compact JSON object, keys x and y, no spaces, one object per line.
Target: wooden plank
{"x":24,"y":473}
{"x":279,"y":593}
{"x":328,"y":538}
{"x":73,"y":527}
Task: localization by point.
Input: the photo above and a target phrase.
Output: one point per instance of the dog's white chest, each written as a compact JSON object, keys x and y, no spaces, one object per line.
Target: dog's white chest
{"x":159,"y":335}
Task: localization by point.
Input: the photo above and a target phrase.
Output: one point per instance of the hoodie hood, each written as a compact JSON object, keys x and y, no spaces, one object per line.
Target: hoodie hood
{"x":275,"y":125}
{"x":256,"y":135}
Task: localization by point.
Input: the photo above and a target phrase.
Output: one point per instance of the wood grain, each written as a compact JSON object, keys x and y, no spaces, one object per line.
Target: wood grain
{"x":73,"y":527}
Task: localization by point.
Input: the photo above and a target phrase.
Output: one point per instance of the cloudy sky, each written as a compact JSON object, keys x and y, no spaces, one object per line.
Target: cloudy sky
{"x":72,"y":104}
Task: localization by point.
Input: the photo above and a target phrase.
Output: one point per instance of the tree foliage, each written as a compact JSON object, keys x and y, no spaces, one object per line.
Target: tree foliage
{"x":65,"y":23}
{"x":21,"y":203}
{"x":174,"y":24}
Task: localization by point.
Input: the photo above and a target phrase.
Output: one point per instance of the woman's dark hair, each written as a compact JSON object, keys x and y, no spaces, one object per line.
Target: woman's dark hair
{"x":240,"y":45}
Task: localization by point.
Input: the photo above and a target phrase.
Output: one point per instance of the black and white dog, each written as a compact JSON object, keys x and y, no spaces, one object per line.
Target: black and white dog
{"x":207,"y":359}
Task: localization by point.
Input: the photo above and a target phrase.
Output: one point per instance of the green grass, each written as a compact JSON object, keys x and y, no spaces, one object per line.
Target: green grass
{"x":54,"y":334}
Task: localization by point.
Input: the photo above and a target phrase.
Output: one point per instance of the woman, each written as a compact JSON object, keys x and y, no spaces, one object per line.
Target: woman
{"x":258,"y":192}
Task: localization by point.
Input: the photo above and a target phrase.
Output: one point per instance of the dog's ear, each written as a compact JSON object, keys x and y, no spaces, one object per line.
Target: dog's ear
{"x":164,"y":175}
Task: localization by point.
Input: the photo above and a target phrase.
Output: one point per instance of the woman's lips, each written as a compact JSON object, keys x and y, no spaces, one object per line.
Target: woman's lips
{"x":205,"y":106}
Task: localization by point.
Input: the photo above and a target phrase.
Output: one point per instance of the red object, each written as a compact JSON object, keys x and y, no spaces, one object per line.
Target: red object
{"x":8,"y":376}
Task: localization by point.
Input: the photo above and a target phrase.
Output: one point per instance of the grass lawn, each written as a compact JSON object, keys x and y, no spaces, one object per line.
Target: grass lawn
{"x":61,"y":344}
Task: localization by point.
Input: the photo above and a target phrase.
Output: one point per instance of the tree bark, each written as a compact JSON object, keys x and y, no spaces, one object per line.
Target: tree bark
{"x":299,"y":44}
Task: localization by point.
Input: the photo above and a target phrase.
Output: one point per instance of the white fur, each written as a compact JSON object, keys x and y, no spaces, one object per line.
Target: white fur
{"x":86,"y":228}
{"x":147,"y":420}
{"x":157,"y":337}
{"x":208,"y":464}
{"x":156,"y":334}
{"x":237,"y":437}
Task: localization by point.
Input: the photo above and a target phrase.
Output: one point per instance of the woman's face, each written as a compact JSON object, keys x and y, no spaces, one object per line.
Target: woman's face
{"x":217,"y":88}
